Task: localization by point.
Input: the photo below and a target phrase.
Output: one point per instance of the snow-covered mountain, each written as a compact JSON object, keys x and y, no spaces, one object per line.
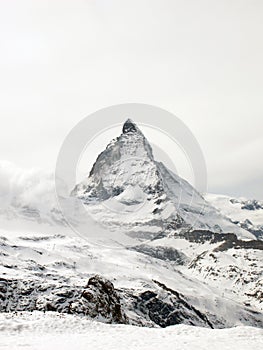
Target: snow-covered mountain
{"x":127,"y":187}
{"x":178,"y":258}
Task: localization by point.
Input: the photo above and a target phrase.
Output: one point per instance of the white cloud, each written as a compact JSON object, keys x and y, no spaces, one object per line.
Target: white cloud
{"x":26,"y":187}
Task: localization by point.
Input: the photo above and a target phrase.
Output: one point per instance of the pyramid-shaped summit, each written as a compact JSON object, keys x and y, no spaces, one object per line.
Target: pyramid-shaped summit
{"x":127,"y":187}
{"x":129,"y":126}
{"x":126,"y":161}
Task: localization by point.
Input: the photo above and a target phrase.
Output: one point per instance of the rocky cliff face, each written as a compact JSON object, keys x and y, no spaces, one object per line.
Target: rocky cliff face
{"x":97,"y":300}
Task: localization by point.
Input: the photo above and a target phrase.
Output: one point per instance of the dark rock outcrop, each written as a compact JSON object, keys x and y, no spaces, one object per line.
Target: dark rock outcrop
{"x":101,"y":301}
{"x":166,"y":307}
{"x":162,"y":253}
{"x":229,"y":240}
{"x":98,"y":300}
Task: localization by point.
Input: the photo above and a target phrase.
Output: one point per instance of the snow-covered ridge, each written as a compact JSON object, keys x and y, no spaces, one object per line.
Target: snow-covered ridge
{"x":245,"y":213}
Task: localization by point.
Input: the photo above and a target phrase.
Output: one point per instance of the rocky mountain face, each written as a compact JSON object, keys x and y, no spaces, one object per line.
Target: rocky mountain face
{"x":99,"y":300}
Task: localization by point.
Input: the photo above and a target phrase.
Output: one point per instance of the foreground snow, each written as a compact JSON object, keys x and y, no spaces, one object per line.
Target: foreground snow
{"x":56,"y":331}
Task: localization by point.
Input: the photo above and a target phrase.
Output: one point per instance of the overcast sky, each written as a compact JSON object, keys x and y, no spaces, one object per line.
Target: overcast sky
{"x":202,"y":60}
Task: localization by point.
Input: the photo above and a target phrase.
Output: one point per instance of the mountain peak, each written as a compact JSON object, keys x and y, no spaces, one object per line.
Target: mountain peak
{"x":129,"y":126}
{"x":126,"y":178}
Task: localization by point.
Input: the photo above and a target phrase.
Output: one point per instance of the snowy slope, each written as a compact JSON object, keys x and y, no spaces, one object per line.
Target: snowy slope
{"x":56,"y":331}
{"x":59,"y":262}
